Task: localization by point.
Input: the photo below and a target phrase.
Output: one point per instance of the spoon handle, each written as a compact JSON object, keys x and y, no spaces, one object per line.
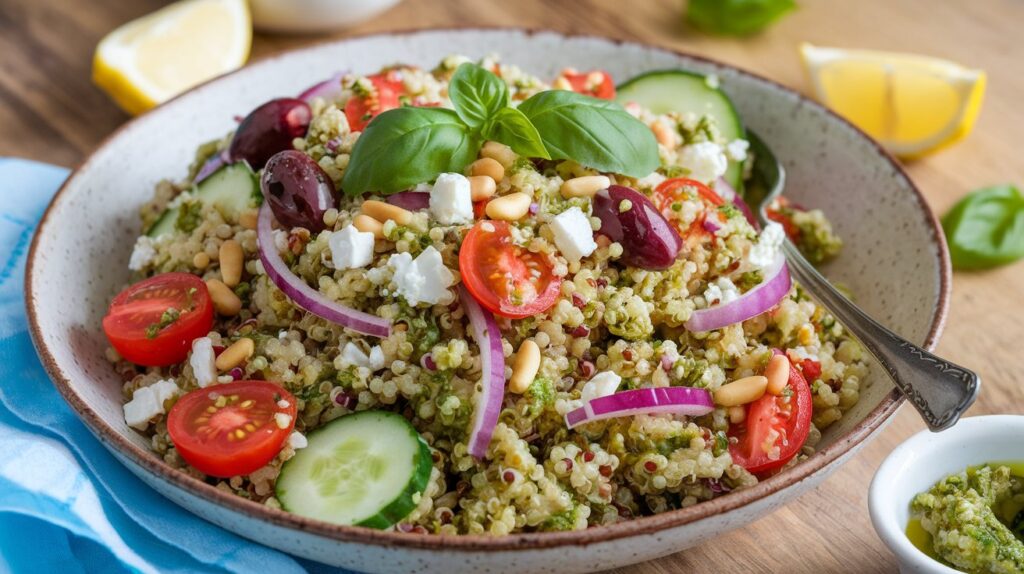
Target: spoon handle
{"x":941,"y":391}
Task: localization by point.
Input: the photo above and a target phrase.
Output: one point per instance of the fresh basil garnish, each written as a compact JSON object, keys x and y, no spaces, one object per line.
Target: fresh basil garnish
{"x":510,"y":127}
{"x":735,"y":17}
{"x":406,"y":146}
{"x":477,"y":94}
{"x":592,"y":132}
{"x":986,"y":228}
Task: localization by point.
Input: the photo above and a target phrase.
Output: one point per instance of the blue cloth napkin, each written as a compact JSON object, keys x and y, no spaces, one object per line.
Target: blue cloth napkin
{"x":66,"y":505}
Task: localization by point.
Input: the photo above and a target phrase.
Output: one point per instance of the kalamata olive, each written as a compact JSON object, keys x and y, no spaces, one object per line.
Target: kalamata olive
{"x":269,"y":129}
{"x":629,"y":218}
{"x":298,"y":190}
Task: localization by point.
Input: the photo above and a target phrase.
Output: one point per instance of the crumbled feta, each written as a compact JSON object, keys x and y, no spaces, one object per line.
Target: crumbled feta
{"x":650,"y":181}
{"x":705,"y":161}
{"x":202,"y":361}
{"x":721,"y":291}
{"x":297,"y":440}
{"x":143,"y":254}
{"x":376,"y":358}
{"x":351,"y":248}
{"x":736,"y":150}
{"x":148,"y":402}
{"x":600,"y":385}
{"x":573,"y":234}
{"x":351,"y":354}
{"x":764,"y":252}
{"x":422,"y":187}
{"x":450,"y":199}
{"x":283,"y":420}
{"x":424,"y":279}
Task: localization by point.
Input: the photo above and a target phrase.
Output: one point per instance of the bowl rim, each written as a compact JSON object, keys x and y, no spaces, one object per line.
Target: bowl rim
{"x":881,"y":502}
{"x":147,"y":460}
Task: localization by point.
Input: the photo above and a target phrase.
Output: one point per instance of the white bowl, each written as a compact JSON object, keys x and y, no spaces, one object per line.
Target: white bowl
{"x":926,"y":458}
{"x":311,"y":16}
{"x":895,"y":256}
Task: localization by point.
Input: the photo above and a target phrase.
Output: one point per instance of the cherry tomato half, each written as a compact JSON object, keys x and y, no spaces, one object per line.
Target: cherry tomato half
{"x":596,"y":83}
{"x":153,"y":322}
{"x":775,"y":428}
{"x":360,"y":109}
{"x":232,"y":429}
{"x":505,"y":278}
{"x":678,"y":189}
{"x":781,"y":212}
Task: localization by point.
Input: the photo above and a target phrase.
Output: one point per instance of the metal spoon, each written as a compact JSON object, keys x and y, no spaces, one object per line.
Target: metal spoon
{"x":940,"y":391}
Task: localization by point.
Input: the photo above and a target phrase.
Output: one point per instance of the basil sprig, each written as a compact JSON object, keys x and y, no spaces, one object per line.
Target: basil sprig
{"x":405,"y":146}
{"x":986,"y":228}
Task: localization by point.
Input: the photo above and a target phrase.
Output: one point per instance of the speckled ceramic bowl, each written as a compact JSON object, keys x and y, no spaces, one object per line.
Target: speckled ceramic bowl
{"x":895,"y":261}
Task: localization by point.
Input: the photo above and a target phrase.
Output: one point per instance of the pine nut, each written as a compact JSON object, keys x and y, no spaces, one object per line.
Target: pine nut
{"x":777,"y":373}
{"x":585,"y":186}
{"x":384,"y":211}
{"x":365,"y":223}
{"x":664,"y":134}
{"x":489,"y":167}
{"x":525,"y":367}
{"x":500,"y":153}
{"x":511,"y":207}
{"x":248,"y":218}
{"x":482,"y":187}
{"x":741,"y":392}
{"x":201,"y":260}
{"x":232,"y":260}
{"x":737,"y":414}
{"x":224,"y":299}
{"x":235,"y":355}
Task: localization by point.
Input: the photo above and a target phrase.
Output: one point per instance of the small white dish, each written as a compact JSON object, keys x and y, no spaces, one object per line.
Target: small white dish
{"x":926,"y":458}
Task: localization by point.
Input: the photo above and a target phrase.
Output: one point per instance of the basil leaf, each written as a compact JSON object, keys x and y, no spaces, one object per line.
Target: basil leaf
{"x":735,"y":17}
{"x":986,"y":228}
{"x":510,"y":127}
{"x":477,"y":94}
{"x":595,"y":133}
{"x":406,"y":146}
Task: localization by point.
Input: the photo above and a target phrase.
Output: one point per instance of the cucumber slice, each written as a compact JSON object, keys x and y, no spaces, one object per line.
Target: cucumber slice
{"x":366,"y":469}
{"x":231,"y":189}
{"x":663,"y":91}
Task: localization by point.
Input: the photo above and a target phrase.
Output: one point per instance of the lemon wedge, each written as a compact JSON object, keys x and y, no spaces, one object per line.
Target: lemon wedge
{"x":912,"y":104}
{"x":150,"y":60}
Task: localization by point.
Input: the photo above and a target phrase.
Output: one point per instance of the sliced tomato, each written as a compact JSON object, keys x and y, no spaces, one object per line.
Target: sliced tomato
{"x":774,"y":429}
{"x":232,"y":429}
{"x":387,"y":88}
{"x":596,"y":83}
{"x":153,"y":322}
{"x":678,"y":189}
{"x":505,"y":278}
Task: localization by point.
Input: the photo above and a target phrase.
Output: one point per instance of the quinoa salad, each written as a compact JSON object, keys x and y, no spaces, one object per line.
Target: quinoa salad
{"x":468,"y":300}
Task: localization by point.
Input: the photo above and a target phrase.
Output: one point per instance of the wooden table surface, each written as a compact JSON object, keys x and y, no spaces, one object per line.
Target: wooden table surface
{"x":50,"y":111}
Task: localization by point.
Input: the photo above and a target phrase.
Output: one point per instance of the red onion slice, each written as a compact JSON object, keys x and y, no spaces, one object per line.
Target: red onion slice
{"x":727,"y":193}
{"x":329,"y":89}
{"x":675,"y":400}
{"x":213,"y":163}
{"x":751,"y":304}
{"x":492,"y":373}
{"x":305,"y":296}
{"x":411,"y":200}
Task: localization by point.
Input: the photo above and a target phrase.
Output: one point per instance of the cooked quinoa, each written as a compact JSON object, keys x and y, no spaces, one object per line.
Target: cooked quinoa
{"x":609,"y":317}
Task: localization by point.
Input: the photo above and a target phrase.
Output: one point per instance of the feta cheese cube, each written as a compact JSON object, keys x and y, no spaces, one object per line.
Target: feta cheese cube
{"x":425,"y":279}
{"x":143,"y":254}
{"x":351,"y":248}
{"x":148,"y":402}
{"x":736,"y":150}
{"x":768,"y":245}
{"x":705,"y":161}
{"x":297,"y":440}
{"x":573,"y":234}
{"x":450,"y":199}
{"x":600,"y":385}
{"x":721,"y":291}
{"x":376,"y":358}
{"x":351,"y":354}
{"x":202,"y":361}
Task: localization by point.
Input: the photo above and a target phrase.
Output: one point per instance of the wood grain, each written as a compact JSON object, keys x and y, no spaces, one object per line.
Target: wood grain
{"x":50,"y":111}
